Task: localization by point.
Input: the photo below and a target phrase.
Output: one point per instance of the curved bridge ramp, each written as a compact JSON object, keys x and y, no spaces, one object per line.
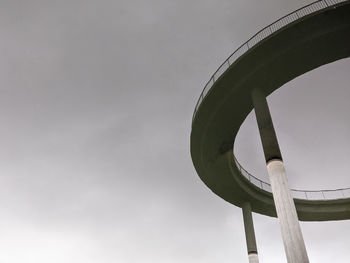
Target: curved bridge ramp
{"x":308,"y":38}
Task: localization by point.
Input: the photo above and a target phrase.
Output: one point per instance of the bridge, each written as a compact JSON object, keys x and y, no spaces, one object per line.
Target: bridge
{"x":301,"y":41}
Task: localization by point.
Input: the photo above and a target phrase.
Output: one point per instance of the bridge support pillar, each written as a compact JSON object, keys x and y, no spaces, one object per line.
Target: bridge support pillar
{"x":291,"y":232}
{"x":249,"y":233}
{"x":286,"y":212}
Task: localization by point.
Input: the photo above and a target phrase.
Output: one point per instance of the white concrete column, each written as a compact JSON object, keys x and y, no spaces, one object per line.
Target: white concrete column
{"x":253,"y":258}
{"x":249,"y":233}
{"x":291,"y":232}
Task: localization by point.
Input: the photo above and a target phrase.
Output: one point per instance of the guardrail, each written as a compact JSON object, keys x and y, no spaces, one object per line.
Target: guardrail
{"x":261,"y":35}
{"x":335,"y":194}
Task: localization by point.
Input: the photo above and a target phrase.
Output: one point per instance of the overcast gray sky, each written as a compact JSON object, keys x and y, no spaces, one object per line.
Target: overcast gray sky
{"x":95,"y":111}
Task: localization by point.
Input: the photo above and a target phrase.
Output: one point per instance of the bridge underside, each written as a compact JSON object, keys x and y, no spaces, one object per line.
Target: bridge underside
{"x":303,"y":45}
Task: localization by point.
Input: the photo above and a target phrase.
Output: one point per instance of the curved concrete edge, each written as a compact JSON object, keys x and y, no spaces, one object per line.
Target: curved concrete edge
{"x":316,"y":40}
{"x":308,"y":210}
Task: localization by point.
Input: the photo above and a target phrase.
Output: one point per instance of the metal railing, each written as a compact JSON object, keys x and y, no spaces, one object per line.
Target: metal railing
{"x":261,"y":35}
{"x":335,"y":194}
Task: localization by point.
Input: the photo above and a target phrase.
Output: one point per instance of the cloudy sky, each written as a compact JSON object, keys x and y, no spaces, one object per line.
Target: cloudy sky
{"x":95,"y":112}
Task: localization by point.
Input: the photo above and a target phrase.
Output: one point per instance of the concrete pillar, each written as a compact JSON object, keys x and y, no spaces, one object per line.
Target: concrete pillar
{"x":266,"y":130}
{"x":249,"y":233}
{"x":291,"y":233}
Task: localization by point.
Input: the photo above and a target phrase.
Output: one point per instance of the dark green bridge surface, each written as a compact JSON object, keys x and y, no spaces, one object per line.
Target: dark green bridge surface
{"x":307,"y":43}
